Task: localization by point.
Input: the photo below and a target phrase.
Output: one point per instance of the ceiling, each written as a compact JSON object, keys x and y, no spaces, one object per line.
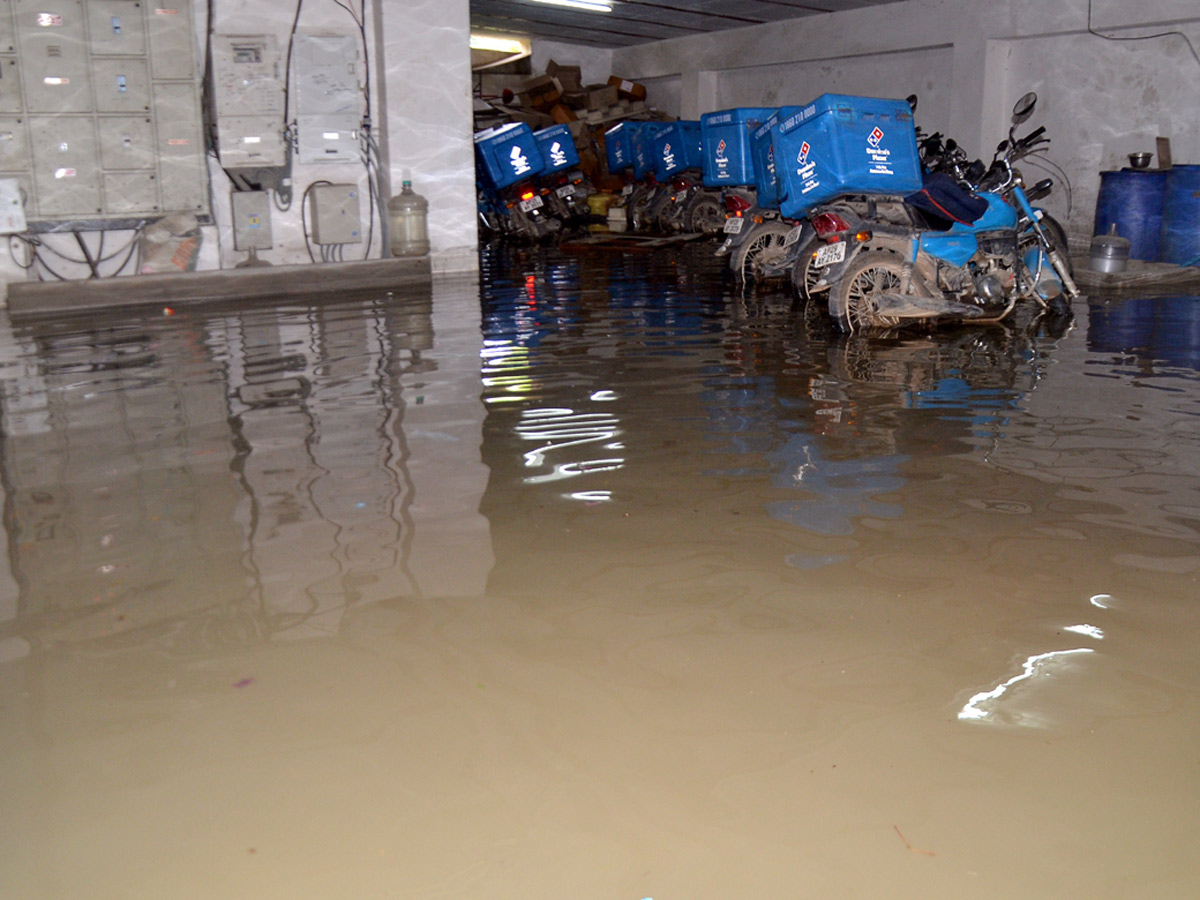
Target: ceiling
{"x":642,"y":21}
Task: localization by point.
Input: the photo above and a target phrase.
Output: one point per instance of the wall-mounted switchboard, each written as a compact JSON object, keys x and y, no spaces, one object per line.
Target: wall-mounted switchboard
{"x":100,"y":110}
{"x":335,"y":214}
{"x":329,"y":99}
{"x":247,"y":97}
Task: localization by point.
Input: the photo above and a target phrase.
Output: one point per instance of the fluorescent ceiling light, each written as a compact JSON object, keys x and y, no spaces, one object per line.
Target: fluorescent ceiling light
{"x":499,"y":44}
{"x":603,"y":6}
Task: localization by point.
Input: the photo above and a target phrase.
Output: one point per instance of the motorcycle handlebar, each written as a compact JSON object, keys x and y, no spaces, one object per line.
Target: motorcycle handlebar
{"x":1033,"y":136}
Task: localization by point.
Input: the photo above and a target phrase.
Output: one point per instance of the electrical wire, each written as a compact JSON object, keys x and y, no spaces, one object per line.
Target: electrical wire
{"x":287,"y":66}
{"x":1140,"y":37}
{"x":1043,"y":162}
{"x":28,"y":251}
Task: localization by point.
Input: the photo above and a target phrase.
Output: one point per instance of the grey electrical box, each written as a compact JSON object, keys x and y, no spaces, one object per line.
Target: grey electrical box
{"x":329,"y":100}
{"x":247,"y":92}
{"x":334,"y":211}
{"x":251,"y":220}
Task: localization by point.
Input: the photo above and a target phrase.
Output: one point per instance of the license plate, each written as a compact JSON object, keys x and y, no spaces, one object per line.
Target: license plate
{"x":566,"y":190}
{"x":531,"y":203}
{"x":793,"y":236}
{"x":830,"y":254}
{"x":733,"y":226}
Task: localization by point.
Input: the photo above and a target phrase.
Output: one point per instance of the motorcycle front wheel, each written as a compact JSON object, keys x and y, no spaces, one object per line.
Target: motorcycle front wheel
{"x":850,"y":306}
{"x":1058,"y":239}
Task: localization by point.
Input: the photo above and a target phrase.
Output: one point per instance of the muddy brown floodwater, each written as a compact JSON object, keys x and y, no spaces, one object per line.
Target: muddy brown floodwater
{"x":596,"y":580}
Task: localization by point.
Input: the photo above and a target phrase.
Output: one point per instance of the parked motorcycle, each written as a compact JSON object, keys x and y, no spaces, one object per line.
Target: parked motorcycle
{"x":954,"y":251}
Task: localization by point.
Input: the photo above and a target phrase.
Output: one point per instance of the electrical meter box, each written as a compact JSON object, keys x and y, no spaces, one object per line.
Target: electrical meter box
{"x":251,"y":220}
{"x":329,"y":100}
{"x":100,"y":119}
{"x":247,"y":98}
{"x":334,"y":212}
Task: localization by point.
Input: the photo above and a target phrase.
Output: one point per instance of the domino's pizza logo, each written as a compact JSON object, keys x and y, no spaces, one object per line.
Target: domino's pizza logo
{"x":802,"y":157}
{"x":721,"y":157}
{"x":519,"y":161}
{"x":875,"y":137}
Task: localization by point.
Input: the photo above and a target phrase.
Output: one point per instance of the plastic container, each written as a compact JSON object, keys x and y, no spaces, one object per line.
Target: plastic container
{"x":1109,"y":252}
{"x":728,"y":160}
{"x":843,"y":144}
{"x":618,"y":147}
{"x":407,"y":226}
{"x":767,"y":181}
{"x":557,"y":147}
{"x":598,"y":205}
{"x":1132,"y":200}
{"x":1180,"y":239}
{"x":508,"y":154}
{"x":676,"y":147}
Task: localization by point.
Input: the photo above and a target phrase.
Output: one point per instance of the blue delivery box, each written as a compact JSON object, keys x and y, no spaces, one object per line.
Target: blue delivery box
{"x":725,"y":138}
{"x":509,"y":153}
{"x":767,"y":182}
{"x":843,"y":144}
{"x":618,"y":147}
{"x":557,"y":147}
{"x":676,"y":147}
{"x":643,"y":148}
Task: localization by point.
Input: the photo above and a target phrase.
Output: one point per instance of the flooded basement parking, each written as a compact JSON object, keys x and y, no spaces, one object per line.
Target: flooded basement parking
{"x":599,"y":581}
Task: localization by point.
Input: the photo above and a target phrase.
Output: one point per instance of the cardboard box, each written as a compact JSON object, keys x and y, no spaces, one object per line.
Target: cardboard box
{"x":562,"y":114}
{"x":602,"y":97}
{"x":569,"y":77}
{"x":628,"y":90}
{"x":541,"y":92}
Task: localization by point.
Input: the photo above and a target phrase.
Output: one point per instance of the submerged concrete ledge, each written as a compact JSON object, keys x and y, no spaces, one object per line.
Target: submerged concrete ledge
{"x":43,"y":298}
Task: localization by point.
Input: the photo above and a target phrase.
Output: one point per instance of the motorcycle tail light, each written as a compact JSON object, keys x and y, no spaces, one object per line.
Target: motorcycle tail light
{"x":681,"y":184}
{"x":827,"y":224}
{"x":736,"y":204}
{"x":527,"y":195}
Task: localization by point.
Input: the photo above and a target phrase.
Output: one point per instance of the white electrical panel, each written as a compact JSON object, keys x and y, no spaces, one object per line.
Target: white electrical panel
{"x":100,"y":110}
{"x":335,"y":215}
{"x":329,"y":99}
{"x":247,"y":90}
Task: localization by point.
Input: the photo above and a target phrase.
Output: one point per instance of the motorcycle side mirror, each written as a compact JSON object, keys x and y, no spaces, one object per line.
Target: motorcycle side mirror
{"x":912,"y":102}
{"x":951,"y":145}
{"x":1001,"y":147}
{"x":1023,"y":108}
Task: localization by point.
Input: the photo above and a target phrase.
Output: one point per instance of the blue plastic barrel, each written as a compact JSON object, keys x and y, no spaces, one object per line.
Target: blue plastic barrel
{"x":1180,"y":242}
{"x":1132,"y":199}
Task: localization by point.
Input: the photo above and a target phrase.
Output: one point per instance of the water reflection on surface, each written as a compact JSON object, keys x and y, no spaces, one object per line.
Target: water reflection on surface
{"x":611,"y":583}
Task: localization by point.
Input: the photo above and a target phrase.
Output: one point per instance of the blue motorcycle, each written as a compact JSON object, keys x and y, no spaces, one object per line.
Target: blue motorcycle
{"x":962,"y":248}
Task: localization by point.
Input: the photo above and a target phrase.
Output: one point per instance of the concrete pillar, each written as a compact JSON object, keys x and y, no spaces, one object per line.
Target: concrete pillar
{"x":422,"y":84}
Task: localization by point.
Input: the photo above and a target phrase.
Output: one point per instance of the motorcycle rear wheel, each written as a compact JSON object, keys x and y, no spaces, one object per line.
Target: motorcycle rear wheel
{"x":805,"y":274}
{"x":704,"y":215}
{"x":763,"y":246}
{"x":637,"y":208}
{"x":850,"y":307}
